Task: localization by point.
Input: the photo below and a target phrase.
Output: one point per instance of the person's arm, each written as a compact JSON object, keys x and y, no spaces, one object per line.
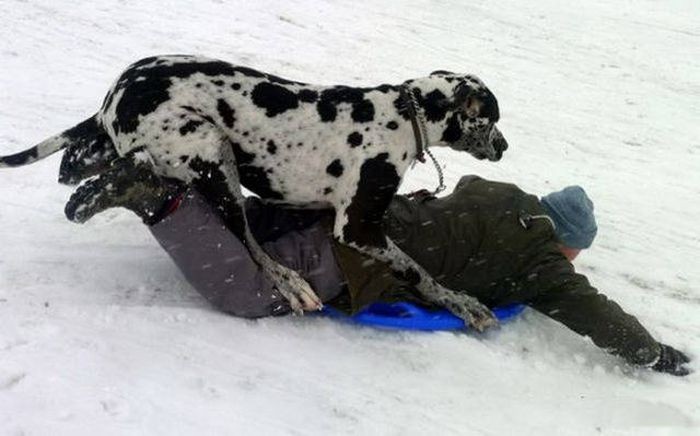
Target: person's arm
{"x":569,"y":298}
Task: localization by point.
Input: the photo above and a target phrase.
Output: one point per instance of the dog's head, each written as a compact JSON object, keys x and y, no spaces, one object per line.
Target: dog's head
{"x":85,"y":159}
{"x":471,"y":113}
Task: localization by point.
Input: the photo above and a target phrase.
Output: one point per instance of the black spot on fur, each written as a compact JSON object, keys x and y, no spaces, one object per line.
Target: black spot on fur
{"x":271,"y":147}
{"x":405,"y":155}
{"x":363,"y":112}
{"x":308,"y":95}
{"x":327,"y":190}
{"x":85,"y":130}
{"x":335,"y":168}
{"x":392,"y":125}
{"x":235,"y":86}
{"x":145,"y":87}
{"x":213,"y":185}
{"x":274,"y":99}
{"x":189,"y":127}
{"x":355,"y":139}
{"x":226,"y":112}
{"x":378,"y":183}
{"x":255,"y":179}
{"x":21,"y":158}
{"x":453,"y":131}
{"x":410,"y":276}
{"x":90,"y":152}
{"x":218,"y":82}
{"x":362,"y":109}
{"x":252,"y":177}
{"x":326,"y":110}
{"x":402,"y":108}
{"x":242,"y":157}
{"x":433,"y":105}
{"x":489,"y":108}
{"x":144,"y":61}
{"x":386,"y":88}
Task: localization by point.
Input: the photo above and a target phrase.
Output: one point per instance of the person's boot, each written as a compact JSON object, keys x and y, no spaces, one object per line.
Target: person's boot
{"x":128,"y":184}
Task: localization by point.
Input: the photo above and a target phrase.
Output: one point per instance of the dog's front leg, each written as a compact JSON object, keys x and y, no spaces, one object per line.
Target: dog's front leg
{"x":465,"y":306}
{"x":359,"y":225}
{"x":217,"y":180}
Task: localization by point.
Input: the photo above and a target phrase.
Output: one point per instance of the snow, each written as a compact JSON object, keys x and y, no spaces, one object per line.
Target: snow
{"x":100,"y":335}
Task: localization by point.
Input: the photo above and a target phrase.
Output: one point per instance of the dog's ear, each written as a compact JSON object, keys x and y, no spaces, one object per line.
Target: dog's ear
{"x":474,"y":103}
{"x":442,"y":73}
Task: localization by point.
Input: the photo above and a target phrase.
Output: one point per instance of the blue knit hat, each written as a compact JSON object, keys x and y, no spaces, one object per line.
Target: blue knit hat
{"x":572,"y":213}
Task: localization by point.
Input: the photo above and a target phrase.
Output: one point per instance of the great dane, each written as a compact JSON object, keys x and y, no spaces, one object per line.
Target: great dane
{"x":218,"y":126}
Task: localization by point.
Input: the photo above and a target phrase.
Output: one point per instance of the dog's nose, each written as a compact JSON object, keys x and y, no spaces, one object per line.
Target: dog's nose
{"x":499,"y":144}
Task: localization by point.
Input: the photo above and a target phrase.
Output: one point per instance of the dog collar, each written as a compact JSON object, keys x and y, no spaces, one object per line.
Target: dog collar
{"x":409,"y":101}
{"x":418,"y":123}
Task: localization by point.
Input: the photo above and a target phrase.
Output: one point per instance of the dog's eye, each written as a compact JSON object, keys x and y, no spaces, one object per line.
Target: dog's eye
{"x":472,"y":107}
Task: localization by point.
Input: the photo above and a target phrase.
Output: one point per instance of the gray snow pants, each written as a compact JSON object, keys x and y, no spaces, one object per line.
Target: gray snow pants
{"x":218,"y":265}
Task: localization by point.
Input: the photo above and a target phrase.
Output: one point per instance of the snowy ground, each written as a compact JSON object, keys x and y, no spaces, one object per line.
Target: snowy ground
{"x":99,"y":334}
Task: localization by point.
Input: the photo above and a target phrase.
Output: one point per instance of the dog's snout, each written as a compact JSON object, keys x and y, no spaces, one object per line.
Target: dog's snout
{"x":499,"y":144}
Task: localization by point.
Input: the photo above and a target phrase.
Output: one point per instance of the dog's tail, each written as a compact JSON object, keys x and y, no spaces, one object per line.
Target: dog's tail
{"x":50,"y":145}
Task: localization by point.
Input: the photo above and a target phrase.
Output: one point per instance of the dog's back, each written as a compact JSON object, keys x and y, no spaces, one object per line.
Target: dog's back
{"x":303,"y":142}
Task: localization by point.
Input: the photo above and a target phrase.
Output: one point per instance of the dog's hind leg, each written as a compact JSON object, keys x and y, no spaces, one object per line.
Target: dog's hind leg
{"x":218,"y":181}
{"x":129,"y":183}
{"x":359,"y":225}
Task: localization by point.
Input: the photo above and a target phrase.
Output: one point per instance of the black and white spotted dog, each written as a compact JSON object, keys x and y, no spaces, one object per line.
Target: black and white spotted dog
{"x":220,"y":126}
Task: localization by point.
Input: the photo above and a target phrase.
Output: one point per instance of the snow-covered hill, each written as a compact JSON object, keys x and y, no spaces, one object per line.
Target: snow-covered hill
{"x":100,"y":335}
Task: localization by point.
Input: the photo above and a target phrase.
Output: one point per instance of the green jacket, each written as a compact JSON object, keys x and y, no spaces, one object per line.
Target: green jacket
{"x":483,"y":240}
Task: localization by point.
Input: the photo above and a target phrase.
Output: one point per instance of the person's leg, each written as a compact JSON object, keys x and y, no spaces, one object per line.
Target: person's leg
{"x":211,"y":258}
{"x":214,"y":261}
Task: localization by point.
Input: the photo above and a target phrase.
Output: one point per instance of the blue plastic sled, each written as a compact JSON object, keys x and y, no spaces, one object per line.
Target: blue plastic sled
{"x":408,"y":316}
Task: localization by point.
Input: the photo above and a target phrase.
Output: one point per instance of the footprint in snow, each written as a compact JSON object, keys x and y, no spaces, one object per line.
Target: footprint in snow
{"x":8,"y":382}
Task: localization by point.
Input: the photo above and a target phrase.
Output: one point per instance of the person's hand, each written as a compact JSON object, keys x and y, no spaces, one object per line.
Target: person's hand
{"x":671,"y":361}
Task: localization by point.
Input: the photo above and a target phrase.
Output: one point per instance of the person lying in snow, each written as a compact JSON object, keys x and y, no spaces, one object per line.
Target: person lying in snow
{"x":487,"y":238}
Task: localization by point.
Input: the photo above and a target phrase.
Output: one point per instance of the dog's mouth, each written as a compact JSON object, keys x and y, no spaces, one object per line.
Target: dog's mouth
{"x":483,"y":144}
{"x":482,"y":151}
{"x":484,"y":156}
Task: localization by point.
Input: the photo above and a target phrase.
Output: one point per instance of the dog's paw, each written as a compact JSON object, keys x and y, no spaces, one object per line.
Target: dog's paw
{"x":477,"y":315}
{"x":482,"y":318}
{"x":79,"y":206}
{"x":296,"y":290}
